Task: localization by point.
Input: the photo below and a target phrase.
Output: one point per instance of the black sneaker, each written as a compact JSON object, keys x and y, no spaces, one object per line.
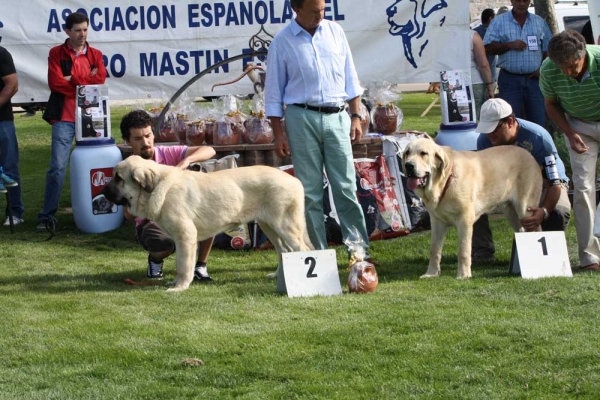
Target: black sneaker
{"x":201,"y":273}
{"x":154,"y":269}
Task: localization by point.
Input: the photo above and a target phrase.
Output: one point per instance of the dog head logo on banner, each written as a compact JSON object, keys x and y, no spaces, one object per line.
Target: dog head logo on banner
{"x":412,"y":28}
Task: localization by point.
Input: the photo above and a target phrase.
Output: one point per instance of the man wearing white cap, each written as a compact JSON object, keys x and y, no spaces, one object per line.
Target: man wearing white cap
{"x":498,"y":126}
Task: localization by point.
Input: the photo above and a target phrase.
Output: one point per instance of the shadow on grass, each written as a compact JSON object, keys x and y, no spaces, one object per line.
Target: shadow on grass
{"x":240,"y":284}
{"x":122,"y":238}
{"x":63,"y":283}
{"x":229,"y":281}
{"x":411,"y":268}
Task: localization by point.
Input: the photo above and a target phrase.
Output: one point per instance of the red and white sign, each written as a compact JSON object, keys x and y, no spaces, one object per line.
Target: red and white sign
{"x":99,"y":178}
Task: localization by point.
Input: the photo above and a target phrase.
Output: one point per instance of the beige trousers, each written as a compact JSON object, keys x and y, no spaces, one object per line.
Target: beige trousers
{"x":584,"y":182}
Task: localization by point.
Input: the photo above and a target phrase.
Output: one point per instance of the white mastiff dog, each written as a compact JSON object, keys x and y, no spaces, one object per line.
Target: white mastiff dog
{"x":192,"y":206}
{"x":457,"y":187}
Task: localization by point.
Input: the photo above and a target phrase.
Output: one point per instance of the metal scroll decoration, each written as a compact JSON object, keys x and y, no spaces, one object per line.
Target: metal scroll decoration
{"x":259,"y":44}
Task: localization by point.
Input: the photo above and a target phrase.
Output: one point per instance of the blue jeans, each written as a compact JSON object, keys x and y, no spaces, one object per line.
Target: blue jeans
{"x":62,"y":139}
{"x":9,"y":161}
{"x":523,"y":94}
{"x":318,"y":140}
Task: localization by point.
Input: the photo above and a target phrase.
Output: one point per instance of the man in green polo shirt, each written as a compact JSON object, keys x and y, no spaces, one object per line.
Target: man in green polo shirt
{"x":570,"y":83}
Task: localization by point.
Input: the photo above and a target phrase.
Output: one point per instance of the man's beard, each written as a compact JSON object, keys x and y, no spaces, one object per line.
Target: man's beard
{"x":146,"y":153}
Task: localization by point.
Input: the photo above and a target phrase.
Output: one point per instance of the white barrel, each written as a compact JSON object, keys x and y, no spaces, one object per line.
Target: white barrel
{"x":458,"y":136}
{"x":91,"y":168}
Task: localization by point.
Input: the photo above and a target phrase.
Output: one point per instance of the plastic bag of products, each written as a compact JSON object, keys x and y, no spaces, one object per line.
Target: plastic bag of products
{"x":257,"y":126}
{"x":229,"y":128}
{"x":362,"y":277}
{"x":386,"y":117}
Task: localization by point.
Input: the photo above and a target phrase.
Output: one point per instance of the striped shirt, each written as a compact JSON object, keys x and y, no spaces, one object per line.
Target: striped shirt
{"x":504,"y":28}
{"x":578,"y":99}
{"x":316,"y":70}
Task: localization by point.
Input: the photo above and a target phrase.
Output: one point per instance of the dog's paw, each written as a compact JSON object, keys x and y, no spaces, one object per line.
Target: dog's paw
{"x":272,"y":275}
{"x":431,"y":273}
{"x":463,"y":276}
{"x":177,"y":289}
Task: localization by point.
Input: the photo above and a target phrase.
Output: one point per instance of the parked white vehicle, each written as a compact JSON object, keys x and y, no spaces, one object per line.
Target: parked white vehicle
{"x":571,"y":15}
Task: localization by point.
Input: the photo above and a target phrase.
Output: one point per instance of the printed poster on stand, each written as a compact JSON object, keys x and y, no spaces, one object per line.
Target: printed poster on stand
{"x":92,"y":113}
{"x":456,"y":96}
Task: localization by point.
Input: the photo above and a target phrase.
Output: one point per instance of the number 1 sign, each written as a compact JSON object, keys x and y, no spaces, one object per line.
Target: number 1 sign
{"x":309,"y":273}
{"x":540,"y":254}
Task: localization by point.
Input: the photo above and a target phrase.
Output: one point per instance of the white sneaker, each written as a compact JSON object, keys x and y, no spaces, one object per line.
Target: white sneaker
{"x":15,"y":220}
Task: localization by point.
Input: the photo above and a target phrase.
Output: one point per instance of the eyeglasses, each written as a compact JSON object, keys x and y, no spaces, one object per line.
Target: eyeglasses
{"x":497,"y":127}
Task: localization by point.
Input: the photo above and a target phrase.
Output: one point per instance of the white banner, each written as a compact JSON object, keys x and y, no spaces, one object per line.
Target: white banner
{"x":152,"y":48}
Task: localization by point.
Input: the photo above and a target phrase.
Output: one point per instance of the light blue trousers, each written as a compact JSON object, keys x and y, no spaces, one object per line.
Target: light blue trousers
{"x":318,"y":140}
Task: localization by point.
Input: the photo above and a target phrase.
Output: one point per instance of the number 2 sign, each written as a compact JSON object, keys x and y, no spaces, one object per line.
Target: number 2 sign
{"x":309,"y":273}
{"x":540,"y":254}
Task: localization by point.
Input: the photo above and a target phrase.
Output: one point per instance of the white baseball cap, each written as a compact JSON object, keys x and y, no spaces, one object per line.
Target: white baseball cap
{"x":492,"y":111}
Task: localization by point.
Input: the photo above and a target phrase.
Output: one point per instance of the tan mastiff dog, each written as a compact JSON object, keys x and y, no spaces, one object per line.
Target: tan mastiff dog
{"x":192,"y":206}
{"x":457,"y":187}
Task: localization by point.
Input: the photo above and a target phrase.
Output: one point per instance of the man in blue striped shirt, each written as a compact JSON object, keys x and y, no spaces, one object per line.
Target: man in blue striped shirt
{"x":311,"y":71}
{"x":570,"y":81}
{"x":520,"y":39}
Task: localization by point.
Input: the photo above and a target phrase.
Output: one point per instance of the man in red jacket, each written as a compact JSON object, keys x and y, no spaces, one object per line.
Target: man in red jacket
{"x":72,"y":63}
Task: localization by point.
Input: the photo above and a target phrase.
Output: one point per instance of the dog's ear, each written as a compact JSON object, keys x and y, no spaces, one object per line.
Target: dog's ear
{"x":403,"y":157}
{"x":442,"y":161}
{"x":403,"y":160}
{"x":145,"y":178}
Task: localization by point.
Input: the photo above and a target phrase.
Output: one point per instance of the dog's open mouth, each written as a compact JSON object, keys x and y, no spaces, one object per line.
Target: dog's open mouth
{"x":414,"y":182}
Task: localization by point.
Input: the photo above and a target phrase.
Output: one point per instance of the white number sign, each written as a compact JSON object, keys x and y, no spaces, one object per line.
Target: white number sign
{"x":540,"y":254}
{"x":309,"y":273}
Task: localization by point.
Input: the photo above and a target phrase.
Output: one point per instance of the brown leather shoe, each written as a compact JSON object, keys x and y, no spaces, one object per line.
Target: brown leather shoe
{"x":591,"y":267}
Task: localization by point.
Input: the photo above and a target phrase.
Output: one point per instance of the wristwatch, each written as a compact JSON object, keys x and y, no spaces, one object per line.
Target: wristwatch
{"x":546,"y":213}
{"x":355,"y":115}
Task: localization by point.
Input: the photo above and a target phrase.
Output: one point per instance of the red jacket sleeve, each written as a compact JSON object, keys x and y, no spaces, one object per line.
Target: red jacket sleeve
{"x":56,"y":81}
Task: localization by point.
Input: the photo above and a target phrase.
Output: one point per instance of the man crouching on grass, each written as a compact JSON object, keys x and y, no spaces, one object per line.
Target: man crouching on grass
{"x":498,"y":126}
{"x":136,"y":128}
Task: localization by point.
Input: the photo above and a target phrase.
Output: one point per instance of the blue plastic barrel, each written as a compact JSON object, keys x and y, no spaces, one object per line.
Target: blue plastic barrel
{"x":458,"y":136}
{"x":91,"y":168}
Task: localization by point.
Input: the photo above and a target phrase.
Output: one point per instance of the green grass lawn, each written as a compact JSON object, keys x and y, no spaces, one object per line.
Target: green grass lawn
{"x":72,"y":329}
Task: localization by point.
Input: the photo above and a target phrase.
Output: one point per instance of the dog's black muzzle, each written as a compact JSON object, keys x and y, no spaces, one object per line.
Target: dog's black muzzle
{"x":409,"y":168}
{"x":111,"y":192}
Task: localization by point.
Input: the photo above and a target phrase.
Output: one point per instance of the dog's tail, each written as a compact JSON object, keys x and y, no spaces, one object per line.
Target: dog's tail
{"x":307,"y":241}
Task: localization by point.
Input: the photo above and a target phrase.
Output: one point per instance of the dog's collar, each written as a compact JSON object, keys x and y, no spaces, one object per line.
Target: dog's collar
{"x":447,"y":185}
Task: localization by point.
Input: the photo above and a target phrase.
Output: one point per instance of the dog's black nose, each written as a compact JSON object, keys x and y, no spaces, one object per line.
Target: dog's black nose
{"x":409,"y":168}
